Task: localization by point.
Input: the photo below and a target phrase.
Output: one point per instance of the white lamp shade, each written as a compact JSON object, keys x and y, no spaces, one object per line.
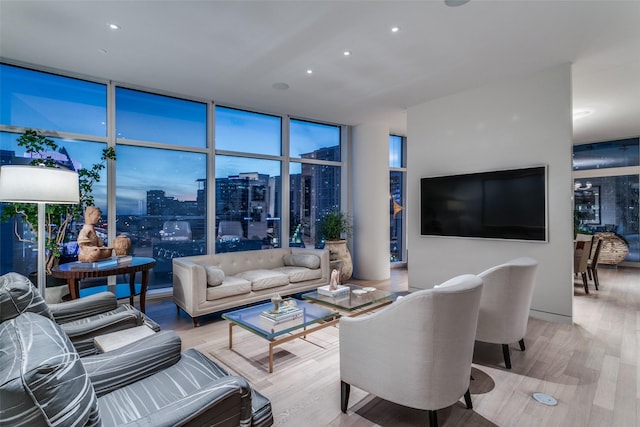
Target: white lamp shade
{"x":37,"y":184}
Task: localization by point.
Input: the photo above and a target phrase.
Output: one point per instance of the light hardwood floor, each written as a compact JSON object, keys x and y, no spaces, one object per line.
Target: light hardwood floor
{"x":590,"y":367}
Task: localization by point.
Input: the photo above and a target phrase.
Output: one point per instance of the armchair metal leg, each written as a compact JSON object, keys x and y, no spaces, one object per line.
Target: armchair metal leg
{"x":433,"y":419}
{"x":345,"y":389}
{"x":507,"y":356}
{"x":467,"y":399}
{"x":521,"y":342}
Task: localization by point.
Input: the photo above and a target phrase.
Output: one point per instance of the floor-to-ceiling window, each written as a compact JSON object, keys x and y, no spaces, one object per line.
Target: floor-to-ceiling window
{"x":161,"y":171}
{"x":168,"y":150}
{"x":314,"y":178}
{"x":397,"y":174}
{"x":606,"y":184}
{"x":248,"y":170}
{"x":73,"y":113}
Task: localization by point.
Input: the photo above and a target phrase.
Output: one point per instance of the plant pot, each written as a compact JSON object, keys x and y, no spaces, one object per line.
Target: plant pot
{"x":338,"y":251}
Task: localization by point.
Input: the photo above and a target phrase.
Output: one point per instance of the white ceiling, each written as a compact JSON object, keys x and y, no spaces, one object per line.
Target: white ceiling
{"x":233,"y":52}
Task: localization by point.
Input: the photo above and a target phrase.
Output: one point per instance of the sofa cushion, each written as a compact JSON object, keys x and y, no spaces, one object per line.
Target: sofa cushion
{"x":215,"y":275}
{"x":302,"y":260}
{"x":230,"y":286}
{"x":18,"y":295}
{"x":300,"y":274}
{"x":264,"y":279}
{"x":43,"y":381}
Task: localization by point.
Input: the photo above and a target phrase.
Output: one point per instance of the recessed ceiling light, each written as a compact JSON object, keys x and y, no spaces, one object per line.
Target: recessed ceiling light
{"x":114,"y":26}
{"x":581,"y":112}
{"x":309,"y":71}
{"x":395,"y":29}
{"x":455,"y":3}
{"x":347,"y":53}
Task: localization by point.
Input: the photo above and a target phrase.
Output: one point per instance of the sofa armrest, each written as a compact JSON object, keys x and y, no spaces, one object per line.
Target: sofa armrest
{"x":222,"y":402}
{"x":189,"y":284}
{"x":83,"y":307}
{"x":133,"y":362}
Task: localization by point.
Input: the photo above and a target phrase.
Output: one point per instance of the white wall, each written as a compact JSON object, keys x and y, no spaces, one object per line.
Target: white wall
{"x":516,"y":123}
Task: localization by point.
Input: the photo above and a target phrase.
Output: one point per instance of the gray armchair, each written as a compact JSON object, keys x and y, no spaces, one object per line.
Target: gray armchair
{"x":43,"y":381}
{"x":81,"y":319}
{"x":417,"y":351}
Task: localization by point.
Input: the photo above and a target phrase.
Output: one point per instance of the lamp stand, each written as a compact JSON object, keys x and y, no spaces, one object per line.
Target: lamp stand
{"x":42,"y":266}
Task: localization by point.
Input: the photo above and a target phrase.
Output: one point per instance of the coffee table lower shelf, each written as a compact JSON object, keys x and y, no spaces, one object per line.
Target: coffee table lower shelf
{"x":290,"y":337}
{"x":314,"y":319}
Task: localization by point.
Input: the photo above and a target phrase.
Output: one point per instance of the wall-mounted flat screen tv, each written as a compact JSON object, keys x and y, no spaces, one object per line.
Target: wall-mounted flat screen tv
{"x":502,"y":204}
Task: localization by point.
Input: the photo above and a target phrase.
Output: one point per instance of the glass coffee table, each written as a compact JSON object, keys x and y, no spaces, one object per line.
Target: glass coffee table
{"x":313,"y":318}
{"x":360,"y":300}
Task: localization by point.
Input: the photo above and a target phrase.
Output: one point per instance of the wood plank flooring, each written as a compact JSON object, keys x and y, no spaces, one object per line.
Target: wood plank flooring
{"x":590,"y":367}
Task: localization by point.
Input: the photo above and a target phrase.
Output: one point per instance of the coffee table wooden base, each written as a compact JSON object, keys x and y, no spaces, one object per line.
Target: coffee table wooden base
{"x":290,"y":337}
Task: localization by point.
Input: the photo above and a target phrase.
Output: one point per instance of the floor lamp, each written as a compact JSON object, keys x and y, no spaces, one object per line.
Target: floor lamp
{"x":41,"y":185}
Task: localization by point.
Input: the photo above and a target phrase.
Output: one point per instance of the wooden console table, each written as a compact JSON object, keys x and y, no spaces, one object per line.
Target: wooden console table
{"x":73,"y":272}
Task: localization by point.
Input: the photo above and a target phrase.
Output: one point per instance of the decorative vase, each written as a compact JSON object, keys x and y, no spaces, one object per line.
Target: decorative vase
{"x":614,"y":249}
{"x":338,"y":251}
{"x":121,"y":245}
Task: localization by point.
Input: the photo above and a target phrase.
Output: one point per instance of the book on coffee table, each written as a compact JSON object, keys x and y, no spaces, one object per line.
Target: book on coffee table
{"x":283,"y":314}
{"x":341,"y":291}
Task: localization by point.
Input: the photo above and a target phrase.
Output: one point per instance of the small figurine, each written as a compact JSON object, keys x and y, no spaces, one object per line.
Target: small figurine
{"x":335,"y":279}
{"x":276,"y":299}
{"x":90,"y":244}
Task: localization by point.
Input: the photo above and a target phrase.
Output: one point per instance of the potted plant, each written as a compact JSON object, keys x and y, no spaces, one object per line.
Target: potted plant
{"x":58,"y":217}
{"x":334,"y":227}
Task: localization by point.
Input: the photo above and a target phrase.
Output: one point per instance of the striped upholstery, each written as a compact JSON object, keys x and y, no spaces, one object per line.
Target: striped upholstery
{"x":42,"y":380}
{"x":18,"y":295}
{"x":195,"y":390}
{"x":81,"y":319}
{"x":133,"y":362}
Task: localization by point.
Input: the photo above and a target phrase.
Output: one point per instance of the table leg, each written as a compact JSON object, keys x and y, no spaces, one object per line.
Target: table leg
{"x":132,"y":287}
{"x":143,"y":291}
{"x":271,"y":345}
{"x":74,"y":288}
{"x":230,"y":335}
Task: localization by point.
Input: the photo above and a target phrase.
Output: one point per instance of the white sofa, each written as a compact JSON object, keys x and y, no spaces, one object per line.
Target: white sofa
{"x":205,"y":284}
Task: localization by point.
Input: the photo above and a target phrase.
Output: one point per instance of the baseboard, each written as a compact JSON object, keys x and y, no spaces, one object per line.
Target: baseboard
{"x":551,"y":317}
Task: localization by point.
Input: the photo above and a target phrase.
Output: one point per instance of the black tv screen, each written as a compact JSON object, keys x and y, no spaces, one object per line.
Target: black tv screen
{"x":503,"y":204}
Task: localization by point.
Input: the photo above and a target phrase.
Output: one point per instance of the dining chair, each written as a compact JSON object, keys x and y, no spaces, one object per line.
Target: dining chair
{"x":592,"y":263}
{"x":582,"y":251}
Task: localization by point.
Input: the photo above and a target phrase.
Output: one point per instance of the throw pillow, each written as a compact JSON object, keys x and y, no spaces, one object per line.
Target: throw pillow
{"x":215,"y":275}
{"x":302,"y":260}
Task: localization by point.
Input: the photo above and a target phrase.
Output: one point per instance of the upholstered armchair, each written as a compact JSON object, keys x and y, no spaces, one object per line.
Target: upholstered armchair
{"x":417,"y":351}
{"x":506,"y":300}
{"x":43,"y":381}
{"x":81,"y":319}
